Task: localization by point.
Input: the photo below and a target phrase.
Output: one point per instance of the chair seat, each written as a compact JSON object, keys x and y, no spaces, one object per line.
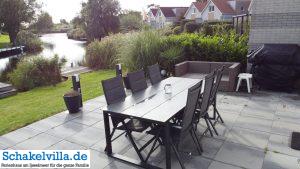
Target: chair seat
{"x":134,"y":125}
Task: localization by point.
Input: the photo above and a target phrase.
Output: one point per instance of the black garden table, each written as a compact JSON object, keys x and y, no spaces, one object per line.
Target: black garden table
{"x":152,"y":105}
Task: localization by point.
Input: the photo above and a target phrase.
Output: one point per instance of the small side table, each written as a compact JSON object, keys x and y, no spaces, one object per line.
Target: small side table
{"x":248,"y":78}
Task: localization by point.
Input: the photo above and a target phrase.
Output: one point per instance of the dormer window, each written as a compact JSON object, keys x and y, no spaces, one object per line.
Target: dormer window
{"x":211,"y":8}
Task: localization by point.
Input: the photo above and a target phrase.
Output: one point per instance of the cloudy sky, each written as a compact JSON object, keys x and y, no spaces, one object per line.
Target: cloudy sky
{"x":67,"y":9}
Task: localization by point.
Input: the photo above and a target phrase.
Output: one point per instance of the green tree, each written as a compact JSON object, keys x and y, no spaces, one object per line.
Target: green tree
{"x":14,"y":13}
{"x":101,"y":18}
{"x":44,"y":22}
{"x":131,"y":20}
{"x":63,"y":21}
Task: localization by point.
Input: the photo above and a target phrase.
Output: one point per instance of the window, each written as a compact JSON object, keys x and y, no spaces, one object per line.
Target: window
{"x":242,"y":8}
{"x":211,"y":8}
{"x":194,"y":10}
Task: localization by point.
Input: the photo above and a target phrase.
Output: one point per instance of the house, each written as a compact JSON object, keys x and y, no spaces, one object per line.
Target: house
{"x":276,"y":22}
{"x":151,"y":17}
{"x":221,"y":10}
{"x":166,"y":16}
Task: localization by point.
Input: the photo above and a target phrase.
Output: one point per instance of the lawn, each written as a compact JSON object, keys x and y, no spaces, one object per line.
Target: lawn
{"x":28,"y":107}
{"x":4,"y":41}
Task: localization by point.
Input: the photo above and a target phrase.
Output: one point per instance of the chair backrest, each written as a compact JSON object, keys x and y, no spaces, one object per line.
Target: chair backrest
{"x":191,"y":104}
{"x":218,"y":77}
{"x":154,"y":74}
{"x":206,"y":95}
{"x":113,"y":90}
{"x":188,"y":116}
{"x":137,"y":81}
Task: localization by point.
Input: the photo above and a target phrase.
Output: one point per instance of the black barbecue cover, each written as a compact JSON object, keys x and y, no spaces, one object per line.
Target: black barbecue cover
{"x":276,"y":66}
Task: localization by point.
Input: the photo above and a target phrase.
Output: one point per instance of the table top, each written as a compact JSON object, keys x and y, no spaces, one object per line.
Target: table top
{"x":153,"y":103}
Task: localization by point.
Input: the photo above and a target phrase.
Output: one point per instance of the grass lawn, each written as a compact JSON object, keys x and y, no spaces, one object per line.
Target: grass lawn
{"x":28,"y":107}
{"x":4,"y":41}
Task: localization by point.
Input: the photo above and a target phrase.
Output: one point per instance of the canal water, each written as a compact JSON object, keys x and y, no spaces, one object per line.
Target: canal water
{"x":58,"y":43}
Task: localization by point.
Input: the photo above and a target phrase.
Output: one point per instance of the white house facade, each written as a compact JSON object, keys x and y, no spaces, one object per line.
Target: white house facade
{"x":216,"y":10}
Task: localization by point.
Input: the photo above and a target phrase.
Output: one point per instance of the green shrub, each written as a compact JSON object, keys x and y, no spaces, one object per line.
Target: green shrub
{"x":225,"y":48}
{"x":103,"y":54}
{"x":191,"y":27}
{"x":36,"y":71}
{"x":140,"y":49}
{"x":31,"y":41}
{"x":9,"y":67}
{"x":77,"y":34}
{"x":177,"y":30}
{"x":207,"y":29}
{"x":170,"y":56}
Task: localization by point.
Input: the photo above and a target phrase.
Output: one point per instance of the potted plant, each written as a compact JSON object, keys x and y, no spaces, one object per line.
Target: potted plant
{"x":72,"y":101}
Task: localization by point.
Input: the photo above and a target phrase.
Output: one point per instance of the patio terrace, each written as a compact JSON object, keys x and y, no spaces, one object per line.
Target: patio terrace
{"x":256,"y":134}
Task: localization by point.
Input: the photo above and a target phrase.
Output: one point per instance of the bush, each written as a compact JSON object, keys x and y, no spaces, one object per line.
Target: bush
{"x":31,"y":41}
{"x":225,"y":48}
{"x":177,"y":30}
{"x":77,"y":34}
{"x":9,"y":67}
{"x":191,"y":27}
{"x":140,"y":49}
{"x":103,"y":54}
{"x":36,"y":71}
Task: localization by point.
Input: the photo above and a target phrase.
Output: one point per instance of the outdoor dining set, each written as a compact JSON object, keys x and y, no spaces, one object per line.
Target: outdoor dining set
{"x":168,"y":111}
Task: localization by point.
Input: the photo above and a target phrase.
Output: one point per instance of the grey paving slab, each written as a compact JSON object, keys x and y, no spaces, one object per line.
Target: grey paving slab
{"x":88,"y":119}
{"x":87,"y":137}
{"x":288,"y":116}
{"x":248,"y":137}
{"x":258,"y":112}
{"x":48,"y":123}
{"x":39,"y":142}
{"x":254,"y":123}
{"x":66,"y":130}
{"x":280,"y":161}
{"x":120,"y":145}
{"x":66,"y":145}
{"x":17,"y":136}
{"x":66,"y":116}
{"x":120,"y":165}
{"x":99,"y":160}
{"x":239,"y":155}
{"x":281,"y":144}
{"x":285,"y":128}
{"x":211,"y":146}
{"x":219,"y":165}
{"x":230,"y":108}
{"x":235,"y":100}
{"x":190,"y":162}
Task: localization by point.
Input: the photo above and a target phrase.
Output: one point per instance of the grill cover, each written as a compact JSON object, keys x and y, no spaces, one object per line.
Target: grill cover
{"x":276,"y":66}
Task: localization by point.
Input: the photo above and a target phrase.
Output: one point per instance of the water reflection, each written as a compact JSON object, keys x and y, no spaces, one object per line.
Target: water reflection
{"x":58,"y":43}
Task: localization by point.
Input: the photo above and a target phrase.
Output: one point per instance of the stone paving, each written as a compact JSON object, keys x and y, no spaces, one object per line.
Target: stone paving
{"x":256,"y":135}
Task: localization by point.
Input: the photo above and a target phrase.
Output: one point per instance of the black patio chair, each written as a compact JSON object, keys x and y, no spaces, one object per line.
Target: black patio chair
{"x":181,"y":135}
{"x":114,"y":92}
{"x":154,"y":74}
{"x":137,"y":81}
{"x":203,"y":103}
{"x":213,"y":98}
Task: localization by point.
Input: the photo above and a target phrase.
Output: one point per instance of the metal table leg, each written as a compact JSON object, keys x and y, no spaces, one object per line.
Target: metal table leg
{"x":107,"y":133}
{"x":167,"y":146}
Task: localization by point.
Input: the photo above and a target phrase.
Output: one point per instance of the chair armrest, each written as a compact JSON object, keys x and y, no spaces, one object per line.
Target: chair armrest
{"x":233,"y":72}
{"x":181,"y":69}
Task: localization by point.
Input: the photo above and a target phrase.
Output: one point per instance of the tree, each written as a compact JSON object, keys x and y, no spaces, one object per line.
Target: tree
{"x":14,"y":13}
{"x":63,"y":21}
{"x":131,"y":20}
{"x":44,"y":22}
{"x":101,"y":18}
